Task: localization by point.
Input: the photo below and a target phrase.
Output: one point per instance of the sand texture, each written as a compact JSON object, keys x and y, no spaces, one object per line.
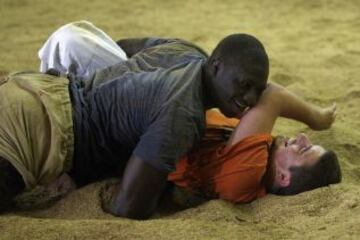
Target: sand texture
{"x":314,"y":50}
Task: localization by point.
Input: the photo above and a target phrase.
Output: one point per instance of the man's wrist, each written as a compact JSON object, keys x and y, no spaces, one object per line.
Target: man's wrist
{"x":315,"y":117}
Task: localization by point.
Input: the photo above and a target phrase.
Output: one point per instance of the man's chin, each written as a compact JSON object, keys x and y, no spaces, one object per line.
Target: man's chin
{"x":227,"y":113}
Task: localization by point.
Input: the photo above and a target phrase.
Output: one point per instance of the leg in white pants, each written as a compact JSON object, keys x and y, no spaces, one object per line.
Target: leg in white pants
{"x":79,"y":48}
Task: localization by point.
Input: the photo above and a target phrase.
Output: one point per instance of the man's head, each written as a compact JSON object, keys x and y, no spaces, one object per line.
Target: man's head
{"x":299,"y":166}
{"x":236,"y":73}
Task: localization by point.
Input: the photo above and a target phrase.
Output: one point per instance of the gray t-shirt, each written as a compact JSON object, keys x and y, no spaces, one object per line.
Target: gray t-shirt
{"x":150,"y":106}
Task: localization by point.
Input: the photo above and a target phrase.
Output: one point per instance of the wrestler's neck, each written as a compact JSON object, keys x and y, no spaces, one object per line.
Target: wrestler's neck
{"x":206,"y":90}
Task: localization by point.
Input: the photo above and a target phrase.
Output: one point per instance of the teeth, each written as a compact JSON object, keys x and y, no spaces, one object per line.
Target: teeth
{"x":304,"y":149}
{"x":239,"y":104}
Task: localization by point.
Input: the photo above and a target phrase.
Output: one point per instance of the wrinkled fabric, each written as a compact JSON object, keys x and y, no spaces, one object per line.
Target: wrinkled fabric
{"x":36,"y":127}
{"x":79,"y":48}
{"x":215,"y":171}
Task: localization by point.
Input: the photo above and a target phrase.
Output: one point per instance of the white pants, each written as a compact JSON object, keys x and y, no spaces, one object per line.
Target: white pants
{"x":79,"y":48}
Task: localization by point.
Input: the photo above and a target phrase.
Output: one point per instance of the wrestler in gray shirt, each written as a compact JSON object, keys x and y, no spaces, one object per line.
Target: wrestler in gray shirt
{"x":150,"y":106}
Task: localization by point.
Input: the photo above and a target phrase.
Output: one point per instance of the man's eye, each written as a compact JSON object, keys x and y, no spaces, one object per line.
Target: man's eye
{"x":243,"y":84}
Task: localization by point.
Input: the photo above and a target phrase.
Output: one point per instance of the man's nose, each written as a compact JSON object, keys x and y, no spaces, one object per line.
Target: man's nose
{"x":303,"y":140}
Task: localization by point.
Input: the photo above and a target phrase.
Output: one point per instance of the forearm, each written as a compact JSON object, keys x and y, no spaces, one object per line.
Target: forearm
{"x":276,"y":101}
{"x":138,"y":193}
{"x":293,"y":107}
{"x":135,"y":203}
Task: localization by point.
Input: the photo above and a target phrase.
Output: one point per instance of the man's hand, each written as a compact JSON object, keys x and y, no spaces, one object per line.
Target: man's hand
{"x":107,"y":196}
{"x":137,"y":195}
{"x":324,"y":118}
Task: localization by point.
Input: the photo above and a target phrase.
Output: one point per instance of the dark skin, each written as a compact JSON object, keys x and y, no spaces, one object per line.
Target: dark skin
{"x":137,"y":195}
{"x":231,"y":92}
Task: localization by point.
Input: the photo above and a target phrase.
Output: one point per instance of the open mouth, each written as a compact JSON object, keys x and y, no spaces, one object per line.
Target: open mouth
{"x":305,"y":149}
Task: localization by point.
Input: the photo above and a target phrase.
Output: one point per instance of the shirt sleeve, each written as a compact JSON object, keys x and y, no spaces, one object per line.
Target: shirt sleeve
{"x":154,"y":41}
{"x":169,"y":138}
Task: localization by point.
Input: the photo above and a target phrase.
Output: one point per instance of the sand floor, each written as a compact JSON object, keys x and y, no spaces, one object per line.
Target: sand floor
{"x":314,"y":49}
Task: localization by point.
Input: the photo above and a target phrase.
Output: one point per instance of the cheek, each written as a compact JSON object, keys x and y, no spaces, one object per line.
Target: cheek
{"x":280,"y":157}
{"x":310,"y":159}
{"x":222,"y":92}
{"x":291,"y":157}
{"x":297,"y":160}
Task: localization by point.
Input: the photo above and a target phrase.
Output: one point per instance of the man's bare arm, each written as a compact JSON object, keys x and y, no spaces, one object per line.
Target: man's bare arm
{"x":293,"y":107}
{"x":137,"y":195}
{"x":276,"y":101}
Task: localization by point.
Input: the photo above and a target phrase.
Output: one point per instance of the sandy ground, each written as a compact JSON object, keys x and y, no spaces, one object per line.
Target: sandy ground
{"x":314,"y":49}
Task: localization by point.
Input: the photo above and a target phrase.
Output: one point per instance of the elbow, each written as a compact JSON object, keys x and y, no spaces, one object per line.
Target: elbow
{"x":133,"y":211}
{"x":136,"y":214}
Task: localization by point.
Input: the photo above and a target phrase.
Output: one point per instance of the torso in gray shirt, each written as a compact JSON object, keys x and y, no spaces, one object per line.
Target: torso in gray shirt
{"x":150,"y":106}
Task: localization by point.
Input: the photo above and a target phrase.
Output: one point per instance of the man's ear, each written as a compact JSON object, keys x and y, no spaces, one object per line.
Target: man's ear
{"x":283,"y":178}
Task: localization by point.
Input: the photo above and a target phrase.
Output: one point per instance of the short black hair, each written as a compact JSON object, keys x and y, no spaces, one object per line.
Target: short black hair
{"x":244,"y":51}
{"x":11,"y":184}
{"x":326,"y":171}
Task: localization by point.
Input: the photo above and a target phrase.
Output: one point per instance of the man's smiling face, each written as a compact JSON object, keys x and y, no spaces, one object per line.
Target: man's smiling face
{"x":234,"y":91}
{"x":294,"y":152}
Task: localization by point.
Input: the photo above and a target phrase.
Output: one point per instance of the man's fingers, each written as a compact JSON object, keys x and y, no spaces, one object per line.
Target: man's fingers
{"x":334,"y":107}
{"x":331,"y":111}
{"x":334,"y":110}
